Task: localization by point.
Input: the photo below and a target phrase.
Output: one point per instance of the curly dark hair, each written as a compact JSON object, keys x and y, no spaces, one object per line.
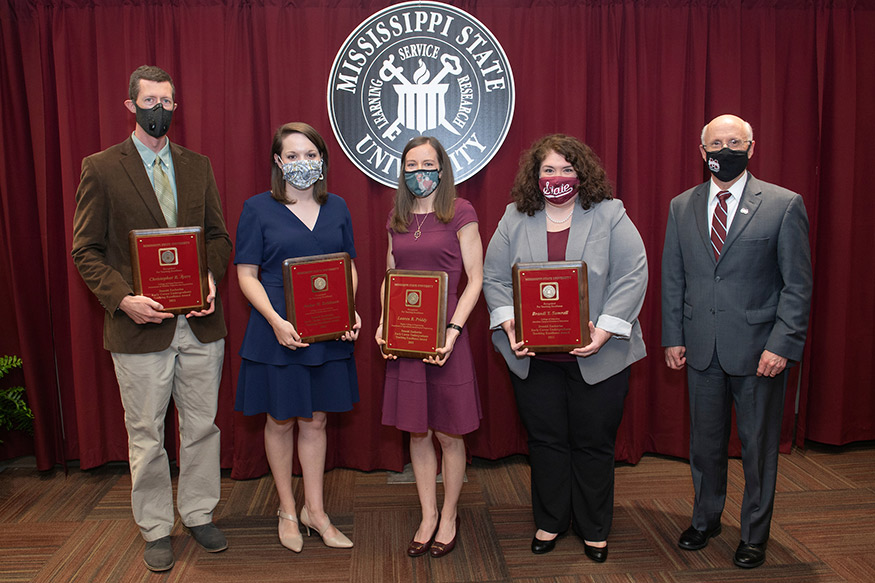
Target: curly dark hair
{"x":594,"y":186}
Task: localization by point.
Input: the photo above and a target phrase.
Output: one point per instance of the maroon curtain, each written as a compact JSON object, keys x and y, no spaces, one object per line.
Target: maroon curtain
{"x":635,"y":80}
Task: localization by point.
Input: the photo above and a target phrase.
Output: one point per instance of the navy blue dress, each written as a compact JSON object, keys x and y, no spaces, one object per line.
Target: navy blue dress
{"x":274,"y":379}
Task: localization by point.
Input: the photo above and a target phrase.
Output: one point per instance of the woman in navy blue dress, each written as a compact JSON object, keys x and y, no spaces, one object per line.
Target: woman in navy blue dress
{"x":293,"y":382}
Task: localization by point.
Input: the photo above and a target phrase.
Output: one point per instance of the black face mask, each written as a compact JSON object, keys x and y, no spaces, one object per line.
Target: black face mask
{"x":726,"y":164}
{"x":155,"y":121}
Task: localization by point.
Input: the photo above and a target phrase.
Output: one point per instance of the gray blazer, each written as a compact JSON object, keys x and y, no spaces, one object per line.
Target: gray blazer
{"x":605,"y":238}
{"x":755,"y":297}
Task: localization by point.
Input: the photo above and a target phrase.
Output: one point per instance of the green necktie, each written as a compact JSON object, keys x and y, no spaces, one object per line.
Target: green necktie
{"x":164,"y":192}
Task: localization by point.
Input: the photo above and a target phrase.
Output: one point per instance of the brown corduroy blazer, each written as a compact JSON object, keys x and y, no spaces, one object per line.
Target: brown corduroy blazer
{"x":116,"y":196}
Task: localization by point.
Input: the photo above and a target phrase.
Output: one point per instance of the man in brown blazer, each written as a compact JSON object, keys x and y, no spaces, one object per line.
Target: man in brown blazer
{"x":146,"y":182}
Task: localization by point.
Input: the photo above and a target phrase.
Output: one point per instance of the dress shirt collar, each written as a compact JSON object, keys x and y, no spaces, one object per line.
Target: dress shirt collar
{"x":148,"y":156}
{"x":736,"y":189}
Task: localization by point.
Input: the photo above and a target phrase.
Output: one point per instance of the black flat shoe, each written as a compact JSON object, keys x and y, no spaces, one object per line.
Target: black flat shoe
{"x":540,"y":547}
{"x":693,"y":540}
{"x":749,"y":556}
{"x":597,"y":554}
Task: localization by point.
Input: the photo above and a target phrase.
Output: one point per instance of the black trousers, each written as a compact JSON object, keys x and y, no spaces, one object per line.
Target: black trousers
{"x":759,"y":408}
{"x":572,"y":428}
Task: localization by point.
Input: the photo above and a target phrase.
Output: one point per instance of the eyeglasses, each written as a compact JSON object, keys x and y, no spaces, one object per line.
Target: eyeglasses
{"x":733,"y":144}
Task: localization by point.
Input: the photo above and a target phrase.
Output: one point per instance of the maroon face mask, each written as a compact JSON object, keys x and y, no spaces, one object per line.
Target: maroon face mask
{"x":559,"y":190}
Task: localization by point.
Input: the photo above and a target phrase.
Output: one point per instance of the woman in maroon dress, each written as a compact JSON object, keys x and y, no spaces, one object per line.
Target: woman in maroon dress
{"x":430,"y":229}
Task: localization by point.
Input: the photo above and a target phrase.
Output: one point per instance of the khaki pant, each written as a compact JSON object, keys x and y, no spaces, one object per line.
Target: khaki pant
{"x":190,"y":372}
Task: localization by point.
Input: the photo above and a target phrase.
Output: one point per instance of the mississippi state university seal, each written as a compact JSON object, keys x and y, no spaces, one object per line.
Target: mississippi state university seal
{"x":420,"y":68}
{"x":413,"y":298}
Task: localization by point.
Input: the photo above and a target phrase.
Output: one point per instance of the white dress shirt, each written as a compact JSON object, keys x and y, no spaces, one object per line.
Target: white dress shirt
{"x":731,"y":203}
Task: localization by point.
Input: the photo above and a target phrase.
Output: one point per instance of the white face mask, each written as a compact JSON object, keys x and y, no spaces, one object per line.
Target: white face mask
{"x":302,"y":174}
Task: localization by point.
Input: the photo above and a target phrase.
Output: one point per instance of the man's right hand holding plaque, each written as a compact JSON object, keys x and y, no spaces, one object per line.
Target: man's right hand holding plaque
{"x":551,"y":305}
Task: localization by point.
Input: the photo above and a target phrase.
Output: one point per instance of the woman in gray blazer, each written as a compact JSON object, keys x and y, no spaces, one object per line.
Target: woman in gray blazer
{"x":571,"y":403}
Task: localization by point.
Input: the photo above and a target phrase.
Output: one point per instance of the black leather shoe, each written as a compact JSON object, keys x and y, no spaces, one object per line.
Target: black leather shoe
{"x":693,"y":540}
{"x":597,"y":554}
{"x":749,"y":556}
{"x":539,"y":547}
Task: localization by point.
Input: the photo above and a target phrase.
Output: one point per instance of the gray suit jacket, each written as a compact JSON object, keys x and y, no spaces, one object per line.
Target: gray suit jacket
{"x":605,"y":238}
{"x":116,"y":196}
{"x":755,"y":297}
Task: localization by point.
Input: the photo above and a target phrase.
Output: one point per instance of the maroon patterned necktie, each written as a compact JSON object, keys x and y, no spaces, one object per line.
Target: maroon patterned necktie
{"x":718,"y":223}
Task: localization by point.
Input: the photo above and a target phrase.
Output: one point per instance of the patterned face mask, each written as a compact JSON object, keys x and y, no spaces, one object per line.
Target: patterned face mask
{"x":422,"y":182}
{"x":302,"y":174}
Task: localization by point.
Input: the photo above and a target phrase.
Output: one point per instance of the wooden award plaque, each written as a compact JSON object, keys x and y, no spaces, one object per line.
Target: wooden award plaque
{"x":170,"y":266}
{"x":319,"y":296}
{"x":551,"y":305}
{"x":414,"y":312}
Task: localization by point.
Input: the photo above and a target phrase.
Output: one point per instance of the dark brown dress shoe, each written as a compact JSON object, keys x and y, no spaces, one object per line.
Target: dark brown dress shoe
{"x":693,"y":540}
{"x":749,"y":555}
{"x":540,"y":547}
{"x":439,"y":549}
{"x":416,"y":549}
{"x":597,"y":554}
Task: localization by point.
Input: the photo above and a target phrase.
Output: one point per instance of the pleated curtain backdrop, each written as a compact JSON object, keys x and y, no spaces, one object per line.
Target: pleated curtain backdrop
{"x":636,"y":80}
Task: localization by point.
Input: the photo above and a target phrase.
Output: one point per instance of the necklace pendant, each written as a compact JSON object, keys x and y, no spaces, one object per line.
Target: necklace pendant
{"x":417,"y":234}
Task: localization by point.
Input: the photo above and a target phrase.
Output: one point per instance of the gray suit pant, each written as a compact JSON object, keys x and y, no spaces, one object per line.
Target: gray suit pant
{"x":759,"y":407}
{"x":189,"y":371}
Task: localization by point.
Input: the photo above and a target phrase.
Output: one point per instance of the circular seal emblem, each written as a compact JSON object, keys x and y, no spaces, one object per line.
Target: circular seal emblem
{"x":420,"y":68}
{"x":413,"y":298}
{"x":319,"y":283}
{"x":549,"y":292}
{"x":168,"y":257}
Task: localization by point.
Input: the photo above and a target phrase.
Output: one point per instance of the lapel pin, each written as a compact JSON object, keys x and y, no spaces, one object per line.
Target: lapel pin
{"x":743,"y":210}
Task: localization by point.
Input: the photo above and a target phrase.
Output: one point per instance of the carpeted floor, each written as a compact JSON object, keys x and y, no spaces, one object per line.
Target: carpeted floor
{"x":78,"y":527}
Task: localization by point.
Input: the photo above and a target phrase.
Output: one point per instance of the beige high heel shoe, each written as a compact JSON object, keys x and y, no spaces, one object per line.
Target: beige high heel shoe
{"x":293,"y":542}
{"x":338,"y":541}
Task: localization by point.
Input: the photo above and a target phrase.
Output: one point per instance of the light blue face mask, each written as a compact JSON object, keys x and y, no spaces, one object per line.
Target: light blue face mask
{"x":302,"y":174}
{"x":422,"y":182}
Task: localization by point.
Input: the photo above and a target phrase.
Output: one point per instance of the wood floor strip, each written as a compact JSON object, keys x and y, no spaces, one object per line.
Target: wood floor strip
{"x":76,"y":526}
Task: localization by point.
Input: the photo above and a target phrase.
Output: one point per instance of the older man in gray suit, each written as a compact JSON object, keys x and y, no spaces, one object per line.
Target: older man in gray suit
{"x":736,"y":288}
